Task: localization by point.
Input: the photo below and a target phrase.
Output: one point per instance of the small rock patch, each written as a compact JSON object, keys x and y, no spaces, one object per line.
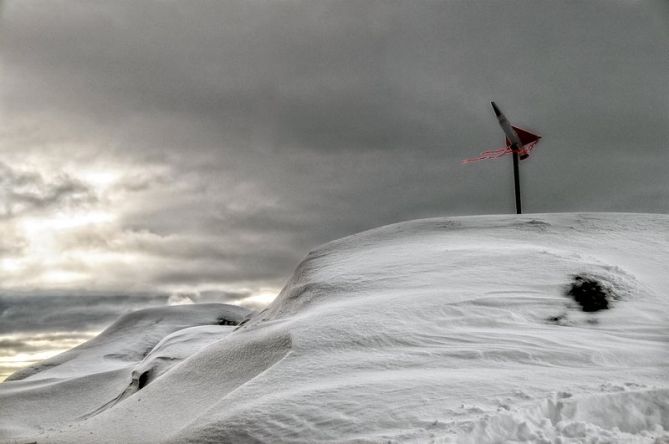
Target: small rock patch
{"x":590,"y":294}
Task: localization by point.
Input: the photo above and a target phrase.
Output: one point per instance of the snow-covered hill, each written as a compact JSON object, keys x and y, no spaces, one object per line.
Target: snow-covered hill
{"x":444,"y":330}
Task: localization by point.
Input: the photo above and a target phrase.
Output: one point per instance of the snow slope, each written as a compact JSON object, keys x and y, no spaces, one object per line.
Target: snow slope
{"x":436,"y":330}
{"x":95,"y":375}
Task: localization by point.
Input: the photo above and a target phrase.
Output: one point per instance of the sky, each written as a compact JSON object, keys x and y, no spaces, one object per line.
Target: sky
{"x":163,"y":152}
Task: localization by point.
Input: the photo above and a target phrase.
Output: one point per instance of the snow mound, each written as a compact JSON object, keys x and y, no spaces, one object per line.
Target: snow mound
{"x":130,"y":339}
{"x":129,"y":354}
{"x":436,"y":330}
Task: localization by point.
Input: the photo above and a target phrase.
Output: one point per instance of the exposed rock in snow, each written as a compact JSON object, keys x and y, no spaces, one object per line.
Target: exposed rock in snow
{"x":446,"y":330}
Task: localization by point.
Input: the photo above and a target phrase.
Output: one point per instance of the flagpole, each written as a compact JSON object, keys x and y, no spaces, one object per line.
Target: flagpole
{"x":516,"y":179}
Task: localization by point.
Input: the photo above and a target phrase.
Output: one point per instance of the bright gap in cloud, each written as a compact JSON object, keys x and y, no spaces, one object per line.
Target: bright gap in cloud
{"x":43,"y":260}
{"x":34,"y":227}
{"x":100,"y":179}
{"x":261,"y":297}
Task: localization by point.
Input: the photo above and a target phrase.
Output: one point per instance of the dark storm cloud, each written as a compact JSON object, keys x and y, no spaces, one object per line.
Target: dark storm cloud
{"x":251,"y":84}
{"x":286,"y":124}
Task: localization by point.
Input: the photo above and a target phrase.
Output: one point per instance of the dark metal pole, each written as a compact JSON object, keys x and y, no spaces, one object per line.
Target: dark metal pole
{"x":516,"y":180}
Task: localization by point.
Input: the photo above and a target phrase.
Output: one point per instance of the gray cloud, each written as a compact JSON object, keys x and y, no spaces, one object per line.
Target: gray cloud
{"x":32,"y":343}
{"x":23,"y":192}
{"x":48,"y":312}
{"x":11,"y":347}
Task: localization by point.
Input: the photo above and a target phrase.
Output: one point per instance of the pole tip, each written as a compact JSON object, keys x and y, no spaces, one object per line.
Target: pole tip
{"x":494,"y":107}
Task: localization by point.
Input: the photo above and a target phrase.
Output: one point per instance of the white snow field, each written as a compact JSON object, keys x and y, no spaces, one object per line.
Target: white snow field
{"x":437,"y":330}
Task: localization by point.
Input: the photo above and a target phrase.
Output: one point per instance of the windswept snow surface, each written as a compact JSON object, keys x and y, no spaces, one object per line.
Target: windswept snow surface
{"x":97,"y":374}
{"x":437,"y":330}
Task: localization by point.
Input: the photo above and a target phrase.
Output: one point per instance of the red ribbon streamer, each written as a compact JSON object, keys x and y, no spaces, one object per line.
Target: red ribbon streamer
{"x":499,"y":152}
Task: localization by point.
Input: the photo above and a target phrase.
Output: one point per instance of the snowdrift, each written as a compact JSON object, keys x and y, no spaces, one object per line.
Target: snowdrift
{"x":129,"y":354}
{"x":436,"y":330}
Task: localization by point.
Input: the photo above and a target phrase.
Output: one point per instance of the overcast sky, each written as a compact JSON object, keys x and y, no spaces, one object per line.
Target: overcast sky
{"x":199,"y":149}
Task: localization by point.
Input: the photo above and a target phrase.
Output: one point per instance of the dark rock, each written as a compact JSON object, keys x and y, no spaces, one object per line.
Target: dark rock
{"x":589,"y":293}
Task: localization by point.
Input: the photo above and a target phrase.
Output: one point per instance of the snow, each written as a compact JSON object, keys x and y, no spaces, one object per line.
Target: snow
{"x":435,"y":330}
{"x":95,"y":375}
